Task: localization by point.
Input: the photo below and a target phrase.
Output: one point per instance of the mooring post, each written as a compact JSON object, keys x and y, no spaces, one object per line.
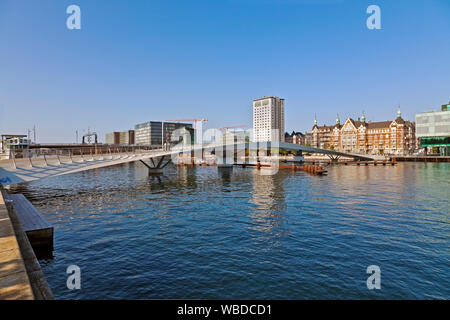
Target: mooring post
{"x":14,"y":159}
{"x":257,"y":155}
{"x":192,"y":157}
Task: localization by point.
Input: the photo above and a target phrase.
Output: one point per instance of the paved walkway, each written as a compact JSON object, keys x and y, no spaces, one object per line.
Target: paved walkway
{"x":14,"y":281}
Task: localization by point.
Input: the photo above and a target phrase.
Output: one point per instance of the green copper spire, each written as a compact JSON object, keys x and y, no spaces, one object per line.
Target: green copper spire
{"x":363,"y":118}
{"x":399,"y":112}
{"x":338,"y":121}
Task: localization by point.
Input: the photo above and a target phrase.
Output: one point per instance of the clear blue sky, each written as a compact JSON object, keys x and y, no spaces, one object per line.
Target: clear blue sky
{"x":135,"y":61}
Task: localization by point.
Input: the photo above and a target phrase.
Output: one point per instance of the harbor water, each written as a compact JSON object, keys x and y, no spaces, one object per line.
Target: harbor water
{"x":207,"y":233}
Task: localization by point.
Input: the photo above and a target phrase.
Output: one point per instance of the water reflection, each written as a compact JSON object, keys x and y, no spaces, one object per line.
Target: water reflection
{"x":268,"y":214}
{"x":225,"y":175}
{"x":268,"y":192}
{"x":209,"y":233}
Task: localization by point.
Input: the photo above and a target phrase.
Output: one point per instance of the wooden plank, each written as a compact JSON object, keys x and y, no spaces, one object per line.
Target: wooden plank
{"x":30,"y":218}
{"x":38,"y":230}
{"x":38,"y":282}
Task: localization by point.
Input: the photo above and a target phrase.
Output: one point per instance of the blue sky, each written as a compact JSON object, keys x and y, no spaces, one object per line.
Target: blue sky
{"x":135,"y":61}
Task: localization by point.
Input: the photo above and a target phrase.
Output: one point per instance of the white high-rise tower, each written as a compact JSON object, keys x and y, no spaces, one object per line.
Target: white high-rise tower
{"x":268,"y":119}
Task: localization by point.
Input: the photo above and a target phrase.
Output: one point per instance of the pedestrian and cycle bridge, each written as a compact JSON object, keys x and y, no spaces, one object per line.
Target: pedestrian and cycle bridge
{"x":51,"y":161}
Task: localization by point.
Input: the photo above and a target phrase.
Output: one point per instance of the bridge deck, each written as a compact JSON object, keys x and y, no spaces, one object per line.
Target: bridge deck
{"x":24,"y":170}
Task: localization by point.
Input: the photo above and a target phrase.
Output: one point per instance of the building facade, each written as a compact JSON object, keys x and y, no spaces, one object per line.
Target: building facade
{"x":295,"y":138}
{"x":268,"y":119}
{"x":308,"y":138}
{"x":395,"y":137}
{"x":120,"y":138}
{"x":433,"y":129}
{"x":112,"y":138}
{"x":126,"y":137}
{"x":156,"y":133}
{"x":321,"y":136}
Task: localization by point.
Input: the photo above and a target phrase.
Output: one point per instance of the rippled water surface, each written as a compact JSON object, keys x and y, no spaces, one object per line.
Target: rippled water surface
{"x":205,"y":233}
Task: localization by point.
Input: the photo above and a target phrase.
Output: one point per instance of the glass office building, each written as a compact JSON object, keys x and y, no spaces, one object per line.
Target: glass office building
{"x":433,"y":129}
{"x":154,"y":133}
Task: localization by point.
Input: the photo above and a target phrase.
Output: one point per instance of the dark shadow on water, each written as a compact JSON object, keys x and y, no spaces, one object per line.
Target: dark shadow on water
{"x":43,"y":252}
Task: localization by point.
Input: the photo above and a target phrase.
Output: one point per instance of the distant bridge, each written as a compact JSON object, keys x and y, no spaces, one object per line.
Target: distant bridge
{"x":50,"y":162}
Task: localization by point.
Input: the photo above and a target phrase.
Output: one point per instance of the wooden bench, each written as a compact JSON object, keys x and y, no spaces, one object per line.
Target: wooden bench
{"x":38,"y":230}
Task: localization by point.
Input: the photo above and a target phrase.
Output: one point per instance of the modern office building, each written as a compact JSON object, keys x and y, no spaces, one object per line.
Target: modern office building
{"x":268,"y":119}
{"x":112,"y":138}
{"x":236,"y":137}
{"x":433,"y":129}
{"x":14,"y":141}
{"x":155,"y":133}
{"x":126,"y":137}
{"x":120,"y":138}
{"x":19,"y":143}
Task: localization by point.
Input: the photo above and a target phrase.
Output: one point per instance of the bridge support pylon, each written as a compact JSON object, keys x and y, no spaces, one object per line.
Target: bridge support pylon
{"x":156,"y":169}
{"x":224,"y":165}
{"x":334,"y":159}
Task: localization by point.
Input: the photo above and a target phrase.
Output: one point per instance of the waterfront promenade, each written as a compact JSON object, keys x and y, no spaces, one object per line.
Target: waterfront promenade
{"x":14,"y":281}
{"x":21,"y":277}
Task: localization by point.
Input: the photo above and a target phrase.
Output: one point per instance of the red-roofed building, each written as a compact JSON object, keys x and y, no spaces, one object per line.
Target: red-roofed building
{"x":395,"y":137}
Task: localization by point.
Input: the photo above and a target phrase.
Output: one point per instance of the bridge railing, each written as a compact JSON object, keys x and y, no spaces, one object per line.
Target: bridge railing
{"x":73,"y":153}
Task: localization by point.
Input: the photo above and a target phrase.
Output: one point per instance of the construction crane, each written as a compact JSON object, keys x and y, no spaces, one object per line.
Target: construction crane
{"x":225,"y":129}
{"x":232,"y":127}
{"x":189,"y":120}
